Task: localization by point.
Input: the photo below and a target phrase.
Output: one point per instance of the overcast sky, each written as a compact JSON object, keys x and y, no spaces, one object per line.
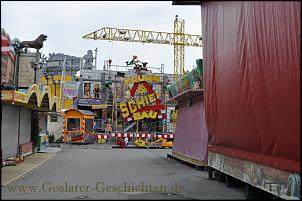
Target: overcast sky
{"x":66,"y":22}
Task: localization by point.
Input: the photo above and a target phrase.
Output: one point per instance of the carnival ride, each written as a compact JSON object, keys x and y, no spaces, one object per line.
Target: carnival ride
{"x":159,"y":143}
{"x":137,"y":106}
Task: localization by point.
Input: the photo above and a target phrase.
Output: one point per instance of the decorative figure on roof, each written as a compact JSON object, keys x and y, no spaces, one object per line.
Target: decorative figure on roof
{"x":88,"y":60}
{"x":139,"y":66}
{"x":37,"y":44}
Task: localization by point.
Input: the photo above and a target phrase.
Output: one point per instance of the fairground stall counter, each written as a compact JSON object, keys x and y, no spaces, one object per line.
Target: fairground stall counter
{"x":78,"y":126}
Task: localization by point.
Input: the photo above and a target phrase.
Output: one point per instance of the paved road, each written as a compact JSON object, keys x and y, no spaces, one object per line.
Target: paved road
{"x":116,"y":174}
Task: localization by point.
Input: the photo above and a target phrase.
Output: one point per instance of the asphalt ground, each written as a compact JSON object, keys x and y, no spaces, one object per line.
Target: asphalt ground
{"x":90,"y":173}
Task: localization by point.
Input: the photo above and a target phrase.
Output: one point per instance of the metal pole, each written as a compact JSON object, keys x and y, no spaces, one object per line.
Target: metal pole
{"x":35,"y":69}
{"x":115,"y":105}
{"x":136,"y":130}
{"x":96,"y":55}
{"x":113,"y":102}
{"x":36,"y":65}
{"x":62,"y":79}
{"x":17,"y":69}
{"x":19,"y":121}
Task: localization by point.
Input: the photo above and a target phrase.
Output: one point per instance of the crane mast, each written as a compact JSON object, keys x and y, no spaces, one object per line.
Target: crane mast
{"x":179,"y":48}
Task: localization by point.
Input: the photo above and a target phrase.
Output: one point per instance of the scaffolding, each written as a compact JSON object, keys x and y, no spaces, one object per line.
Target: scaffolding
{"x":119,"y":93}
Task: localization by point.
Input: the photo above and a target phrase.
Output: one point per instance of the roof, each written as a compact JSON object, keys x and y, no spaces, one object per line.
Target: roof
{"x":84,"y":112}
{"x":184,"y":2}
{"x":189,"y":94}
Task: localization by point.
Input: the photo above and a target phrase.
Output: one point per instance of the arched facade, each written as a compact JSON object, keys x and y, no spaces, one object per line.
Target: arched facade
{"x":25,"y":119}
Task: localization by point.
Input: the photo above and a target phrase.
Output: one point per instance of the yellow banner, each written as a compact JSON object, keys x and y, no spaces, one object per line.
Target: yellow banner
{"x":139,"y":78}
{"x":7,"y":95}
{"x":68,"y":103}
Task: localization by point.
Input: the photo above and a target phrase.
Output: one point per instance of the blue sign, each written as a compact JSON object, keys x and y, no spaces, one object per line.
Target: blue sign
{"x":90,"y":101}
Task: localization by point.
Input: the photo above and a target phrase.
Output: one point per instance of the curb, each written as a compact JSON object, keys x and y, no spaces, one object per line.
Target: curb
{"x":35,"y":166}
{"x":68,"y":146}
{"x":128,"y":147}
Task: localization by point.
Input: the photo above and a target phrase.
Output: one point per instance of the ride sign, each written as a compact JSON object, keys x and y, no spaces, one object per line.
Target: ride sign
{"x":146,"y":106}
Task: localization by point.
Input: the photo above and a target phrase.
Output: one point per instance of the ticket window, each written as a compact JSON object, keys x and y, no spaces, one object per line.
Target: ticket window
{"x":73,"y":124}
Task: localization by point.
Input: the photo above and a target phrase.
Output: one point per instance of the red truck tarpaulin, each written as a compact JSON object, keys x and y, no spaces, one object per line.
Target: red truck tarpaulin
{"x":252,"y":80}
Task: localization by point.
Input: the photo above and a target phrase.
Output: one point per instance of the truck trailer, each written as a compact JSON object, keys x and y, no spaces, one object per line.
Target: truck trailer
{"x":252,"y":92}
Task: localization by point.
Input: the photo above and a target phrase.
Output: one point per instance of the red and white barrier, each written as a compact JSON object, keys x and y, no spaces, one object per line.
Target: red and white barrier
{"x":138,"y":135}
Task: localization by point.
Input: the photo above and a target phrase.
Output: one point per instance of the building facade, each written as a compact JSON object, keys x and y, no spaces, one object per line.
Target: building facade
{"x":23,"y":120}
{"x":7,"y":59}
{"x":54,"y":64}
{"x":26,"y":70}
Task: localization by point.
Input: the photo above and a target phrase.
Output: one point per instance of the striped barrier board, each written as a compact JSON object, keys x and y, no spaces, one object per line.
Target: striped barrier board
{"x":138,"y":135}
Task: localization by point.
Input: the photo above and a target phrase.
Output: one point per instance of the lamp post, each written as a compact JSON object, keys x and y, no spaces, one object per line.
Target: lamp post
{"x":35,"y":66}
{"x":55,"y":82}
{"x":48,"y":76}
{"x":17,"y":49}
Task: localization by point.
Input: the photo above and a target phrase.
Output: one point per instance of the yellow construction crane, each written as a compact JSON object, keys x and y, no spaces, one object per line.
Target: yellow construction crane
{"x":179,"y":39}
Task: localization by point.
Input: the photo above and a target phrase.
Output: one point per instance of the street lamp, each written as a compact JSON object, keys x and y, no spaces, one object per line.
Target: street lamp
{"x":55,"y":82}
{"x":35,"y":66}
{"x":18,"y":50}
{"x":48,"y":77}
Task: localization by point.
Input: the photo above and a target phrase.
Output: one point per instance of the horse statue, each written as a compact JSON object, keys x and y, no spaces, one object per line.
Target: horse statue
{"x":37,"y":44}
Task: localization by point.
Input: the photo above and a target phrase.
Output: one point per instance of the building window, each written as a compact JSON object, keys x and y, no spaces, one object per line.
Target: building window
{"x":73,"y":124}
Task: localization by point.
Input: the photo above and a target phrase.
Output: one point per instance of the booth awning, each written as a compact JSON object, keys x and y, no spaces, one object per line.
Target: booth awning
{"x":185,"y":96}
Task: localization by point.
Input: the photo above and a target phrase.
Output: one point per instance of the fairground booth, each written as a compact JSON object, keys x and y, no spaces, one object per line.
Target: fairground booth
{"x":78,"y":126}
{"x":191,"y":135}
{"x":24,"y":117}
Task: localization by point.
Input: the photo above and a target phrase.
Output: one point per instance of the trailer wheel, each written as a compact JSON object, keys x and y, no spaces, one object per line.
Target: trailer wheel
{"x":229,"y":182}
{"x":293,"y":185}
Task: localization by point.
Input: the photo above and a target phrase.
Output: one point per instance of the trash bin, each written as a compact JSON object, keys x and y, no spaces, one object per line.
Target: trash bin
{"x":118,"y":141}
{"x":123,"y":144}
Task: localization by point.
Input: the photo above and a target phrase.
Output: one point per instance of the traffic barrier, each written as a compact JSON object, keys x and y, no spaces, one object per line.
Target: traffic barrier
{"x":137,"y":135}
